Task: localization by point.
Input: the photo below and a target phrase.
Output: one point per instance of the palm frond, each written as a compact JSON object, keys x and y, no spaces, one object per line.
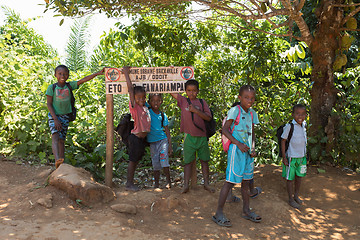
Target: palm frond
{"x":77,"y":44}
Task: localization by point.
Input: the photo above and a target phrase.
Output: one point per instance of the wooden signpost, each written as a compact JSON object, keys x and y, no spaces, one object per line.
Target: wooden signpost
{"x":154,"y":80}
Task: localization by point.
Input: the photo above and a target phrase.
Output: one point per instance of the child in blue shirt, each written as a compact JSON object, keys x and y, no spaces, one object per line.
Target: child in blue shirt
{"x":240,"y":166}
{"x":159,"y":139}
{"x":294,"y":159}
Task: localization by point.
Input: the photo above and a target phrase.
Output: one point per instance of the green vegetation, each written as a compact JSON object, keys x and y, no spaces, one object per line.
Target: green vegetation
{"x":224,"y":60}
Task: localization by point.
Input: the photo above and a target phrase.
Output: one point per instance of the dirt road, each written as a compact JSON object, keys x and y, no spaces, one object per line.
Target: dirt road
{"x":331,"y":210}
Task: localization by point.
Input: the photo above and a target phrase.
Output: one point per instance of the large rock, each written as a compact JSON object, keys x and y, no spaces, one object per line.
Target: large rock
{"x":79,"y":184}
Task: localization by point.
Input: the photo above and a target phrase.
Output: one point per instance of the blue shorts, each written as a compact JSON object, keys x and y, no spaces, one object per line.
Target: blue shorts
{"x":240,"y":166}
{"x":64,"y":120}
{"x":160,"y":154}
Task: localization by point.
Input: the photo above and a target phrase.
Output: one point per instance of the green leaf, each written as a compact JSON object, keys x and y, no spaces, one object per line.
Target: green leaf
{"x":300,"y":51}
{"x":61,"y":22}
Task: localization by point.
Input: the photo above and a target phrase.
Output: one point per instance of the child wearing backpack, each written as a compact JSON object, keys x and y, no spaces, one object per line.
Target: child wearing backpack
{"x":240,"y":166}
{"x":294,"y":157}
{"x":60,"y":101}
{"x":159,"y":139}
{"x":193,"y":115}
{"x":142,"y":122}
{"x":254,"y":191}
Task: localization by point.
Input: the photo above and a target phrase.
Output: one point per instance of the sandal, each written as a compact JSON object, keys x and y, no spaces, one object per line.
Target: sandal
{"x":298,"y":200}
{"x":224,"y":222}
{"x":258,"y":191}
{"x":252,"y":217}
{"x":294,"y":204}
{"x":234,"y":199}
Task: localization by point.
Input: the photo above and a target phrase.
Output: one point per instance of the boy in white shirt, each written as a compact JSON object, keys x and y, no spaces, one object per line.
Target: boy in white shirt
{"x":294,"y":159}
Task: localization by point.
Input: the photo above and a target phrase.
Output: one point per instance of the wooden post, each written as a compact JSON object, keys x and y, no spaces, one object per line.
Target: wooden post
{"x":109,"y":139}
{"x":193,"y":175}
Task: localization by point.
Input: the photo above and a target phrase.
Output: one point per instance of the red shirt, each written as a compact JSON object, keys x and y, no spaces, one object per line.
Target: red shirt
{"x":186,"y":123}
{"x":142,"y":119}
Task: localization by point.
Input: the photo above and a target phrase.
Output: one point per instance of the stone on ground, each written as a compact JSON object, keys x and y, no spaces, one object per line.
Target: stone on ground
{"x":46,"y":201}
{"x":124,"y":208}
{"x":79,"y":184}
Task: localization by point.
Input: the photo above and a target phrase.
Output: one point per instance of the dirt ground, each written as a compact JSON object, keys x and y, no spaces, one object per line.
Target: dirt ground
{"x":331,"y":210}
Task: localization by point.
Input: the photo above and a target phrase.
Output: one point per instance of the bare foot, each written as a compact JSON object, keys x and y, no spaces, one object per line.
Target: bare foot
{"x":208,"y":188}
{"x":185,"y":189}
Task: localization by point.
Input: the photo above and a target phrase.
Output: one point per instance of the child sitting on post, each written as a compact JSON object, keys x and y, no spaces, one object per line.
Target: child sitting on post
{"x":193,"y":115}
{"x":142,"y":121}
{"x":159,"y":139}
{"x":59,"y":105}
{"x":294,"y":159}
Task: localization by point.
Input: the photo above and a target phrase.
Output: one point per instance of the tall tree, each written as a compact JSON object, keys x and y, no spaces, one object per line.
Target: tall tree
{"x":321,"y":24}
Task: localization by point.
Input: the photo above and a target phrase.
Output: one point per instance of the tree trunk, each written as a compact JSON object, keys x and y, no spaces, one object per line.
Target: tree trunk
{"x":323,"y":92}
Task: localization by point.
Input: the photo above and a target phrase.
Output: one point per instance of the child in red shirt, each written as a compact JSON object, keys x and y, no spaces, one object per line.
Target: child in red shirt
{"x":142,"y":122}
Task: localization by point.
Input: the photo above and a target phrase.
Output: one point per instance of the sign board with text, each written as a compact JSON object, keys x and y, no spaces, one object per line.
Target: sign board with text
{"x":153,"y":79}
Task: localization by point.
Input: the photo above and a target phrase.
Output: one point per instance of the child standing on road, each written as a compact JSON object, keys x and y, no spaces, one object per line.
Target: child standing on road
{"x":159,"y":139}
{"x":294,"y":159}
{"x":142,"y":121}
{"x":240,"y":166}
{"x":59,"y":105}
{"x":193,"y":115}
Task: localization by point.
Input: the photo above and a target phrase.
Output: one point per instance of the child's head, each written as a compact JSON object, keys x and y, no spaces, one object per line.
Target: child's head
{"x":62,"y":73}
{"x":192,"y":88}
{"x":246,"y":96}
{"x":140,"y":95}
{"x":299,"y":113}
{"x":155,"y":100}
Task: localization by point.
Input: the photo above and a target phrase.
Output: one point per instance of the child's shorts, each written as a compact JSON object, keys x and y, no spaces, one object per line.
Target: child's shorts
{"x":64,"y":120}
{"x":195,"y":144}
{"x":240,"y":165}
{"x":159,"y":154}
{"x":297,"y":166}
{"x":136,"y":148}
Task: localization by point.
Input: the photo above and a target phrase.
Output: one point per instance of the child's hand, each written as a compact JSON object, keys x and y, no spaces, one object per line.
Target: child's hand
{"x":243,"y":147}
{"x":57,"y":123}
{"x":285,"y":161}
{"x":253,"y":153}
{"x":170,"y":150}
{"x":193,"y":109}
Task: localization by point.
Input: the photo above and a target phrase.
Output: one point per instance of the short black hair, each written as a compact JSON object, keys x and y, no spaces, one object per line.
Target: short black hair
{"x":62,"y":66}
{"x":296,"y":106}
{"x":192,"y":82}
{"x":246,"y":88}
{"x":154,"y":94}
{"x":139,"y":89}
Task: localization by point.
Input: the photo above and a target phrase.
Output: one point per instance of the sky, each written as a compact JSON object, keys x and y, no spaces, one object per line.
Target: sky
{"x":48,"y":26}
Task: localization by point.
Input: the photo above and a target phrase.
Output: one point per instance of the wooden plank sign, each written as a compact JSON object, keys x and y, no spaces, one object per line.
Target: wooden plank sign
{"x":153,"y":79}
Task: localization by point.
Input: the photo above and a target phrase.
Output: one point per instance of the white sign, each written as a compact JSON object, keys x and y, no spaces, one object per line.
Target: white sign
{"x":153,"y":79}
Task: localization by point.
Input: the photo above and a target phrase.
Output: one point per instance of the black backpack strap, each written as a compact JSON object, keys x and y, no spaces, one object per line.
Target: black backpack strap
{"x":162,"y":119}
{"x":291,"y":131}
{"x":192,"y":115}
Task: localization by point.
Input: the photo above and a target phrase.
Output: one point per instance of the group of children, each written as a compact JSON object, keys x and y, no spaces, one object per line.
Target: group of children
{"x":151,"y":125}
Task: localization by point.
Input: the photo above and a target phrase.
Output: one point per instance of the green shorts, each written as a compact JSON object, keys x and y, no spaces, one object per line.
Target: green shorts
{"x":297,"y":166}
{"x":193,"y":145}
